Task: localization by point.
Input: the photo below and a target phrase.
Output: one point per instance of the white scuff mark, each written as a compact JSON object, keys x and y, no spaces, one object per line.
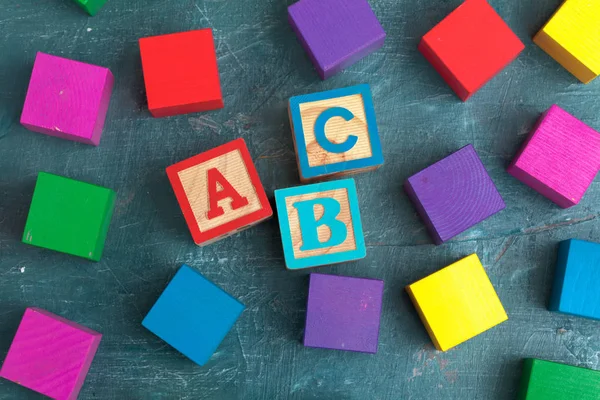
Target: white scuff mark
{"x":89,"y":29}
{"x":22,"y":270}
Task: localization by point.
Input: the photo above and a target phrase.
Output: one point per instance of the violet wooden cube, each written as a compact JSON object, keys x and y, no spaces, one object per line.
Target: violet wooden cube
{"x":560,"y":159}
{"x":336,"y":33}
{"x":454,"y":194}
{"x":68,"y":99}
{"x":343,"y":313}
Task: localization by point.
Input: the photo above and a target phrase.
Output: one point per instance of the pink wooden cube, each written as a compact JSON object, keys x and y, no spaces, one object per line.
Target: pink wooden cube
{"x":67,"y":99}
{"x":560,"y":159}
{"x":50,"y":354}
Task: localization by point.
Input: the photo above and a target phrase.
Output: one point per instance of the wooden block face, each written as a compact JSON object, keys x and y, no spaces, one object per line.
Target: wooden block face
{"x":320,"y":224}
{"x":91,"y":6}
{"x":544,"y":380}
{"x":343,"y":313}
{"x":470,"y":46}
{"x":454,"y":194}
{"x":69,"y":216}
{"x":181,"y":73}
{"x":335,"y":33}
{"x":219,"y":192}
{"x":335,"y":132}
{"x":560,"y":159}
{"x":577,"y":279}
{"x":50,"y":355}
{"x":67,"y":99}
{"x":457,"y":303}
{"x":193,"y":315}
{"x":572,"y":37}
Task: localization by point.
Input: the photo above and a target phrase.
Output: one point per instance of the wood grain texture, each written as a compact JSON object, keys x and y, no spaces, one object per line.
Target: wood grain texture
{"x":560,"y":159}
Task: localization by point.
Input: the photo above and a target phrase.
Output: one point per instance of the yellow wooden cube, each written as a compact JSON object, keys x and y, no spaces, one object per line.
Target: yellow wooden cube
{"x":457,"y":303}
{"x":572,"y":37}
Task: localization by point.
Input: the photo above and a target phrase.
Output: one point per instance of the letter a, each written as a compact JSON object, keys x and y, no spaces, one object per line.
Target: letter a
{"x":309,"y":224}
{"x":214,"y":180}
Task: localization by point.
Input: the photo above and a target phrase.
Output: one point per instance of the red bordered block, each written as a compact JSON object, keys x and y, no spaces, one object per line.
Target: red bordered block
{"x":219,"y":192}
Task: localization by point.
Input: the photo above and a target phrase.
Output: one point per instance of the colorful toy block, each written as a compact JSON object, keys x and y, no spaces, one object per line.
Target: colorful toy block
{"x":572,"y":38}
{"x":67,"y":99}
{"x":457,"y":303}
{"x":454,"y":194}
{"x":560,"y":159}
{"x":335,"y":132}
{"x":335,"y":33}
{"x":193,"y":315}
{"x":577,"y":279}
{"x":545,"y":380}
{"x":69,"y":216}
{"x":343,"y":313}
{"x":320,"y":224}
{"x":181,"y":73}
{"x":50,"y":355}
{"x":470,"y":46}
{"x":91,"y":6}
{"x":219,"y":192}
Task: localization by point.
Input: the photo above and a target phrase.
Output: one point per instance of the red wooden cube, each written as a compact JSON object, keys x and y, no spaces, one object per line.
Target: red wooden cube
{"x":470,"y":46}
{"x":181,"y":73}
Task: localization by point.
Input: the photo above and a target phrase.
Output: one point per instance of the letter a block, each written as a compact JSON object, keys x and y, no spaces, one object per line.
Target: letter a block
{"x":219,"y":192}
{"x":320,"y":224}
{"x":335,"y":132}
{"x":572,"y":38}
{"x":50,"y":355}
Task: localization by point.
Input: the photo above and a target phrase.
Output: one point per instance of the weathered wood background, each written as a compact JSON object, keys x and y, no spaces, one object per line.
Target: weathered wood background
{"x":262,"y":65}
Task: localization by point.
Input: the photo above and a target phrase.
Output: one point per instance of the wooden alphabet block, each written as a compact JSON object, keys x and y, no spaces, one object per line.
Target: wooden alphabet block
{"x":335,"y":33}
{"x":193,"y":315}
{"x":343,"y":313}
{"x":181,"y":73}
{"x":470,"y":46}
{"x":577,"y":279}
{"x":545,"y":380}
{"x":560,"y":159}
{"x":50,"y":355}
{"x":572,"y":38}
{"x":69,"y":216}
{"x":219,"y":192}
{"x":335,"y":132}
{"x":457,"y":303}
{"x":91,"y":6}
{"x":454,"y":194}
{"x":320,"y":224}
{"x":67,"y":99}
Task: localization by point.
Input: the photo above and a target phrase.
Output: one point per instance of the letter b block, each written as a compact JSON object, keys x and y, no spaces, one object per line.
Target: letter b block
{"x":219,"y":192}
{"x":335,"y":132}
{"x":320,"y":224}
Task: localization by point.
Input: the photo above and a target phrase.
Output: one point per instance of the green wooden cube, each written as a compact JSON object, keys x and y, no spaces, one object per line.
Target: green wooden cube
{"x":545,"y":380}
{"x":69,"y":216}
{"x":91,"y":6}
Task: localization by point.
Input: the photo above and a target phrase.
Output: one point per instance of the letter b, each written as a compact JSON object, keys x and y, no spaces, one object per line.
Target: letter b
{"x":309,"y":224}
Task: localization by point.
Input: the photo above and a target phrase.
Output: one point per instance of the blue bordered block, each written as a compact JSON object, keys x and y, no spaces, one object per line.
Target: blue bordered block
{"x":320,"y":224}
{"x":193,"y":315}
{"x":576,"y":289}
{"x":335,"y":132}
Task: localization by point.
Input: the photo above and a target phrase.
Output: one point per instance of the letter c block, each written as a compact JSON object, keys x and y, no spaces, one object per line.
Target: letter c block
{"x":335,"y":132}
{"x":320,"y":224}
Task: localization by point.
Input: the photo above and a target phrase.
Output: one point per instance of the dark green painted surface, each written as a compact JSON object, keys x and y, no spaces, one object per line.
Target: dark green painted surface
{"x":262,"y":65}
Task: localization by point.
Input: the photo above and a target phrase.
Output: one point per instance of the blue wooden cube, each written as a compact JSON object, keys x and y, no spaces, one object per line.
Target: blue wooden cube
{"x":193,"y":315}
{"x":576,"y":288}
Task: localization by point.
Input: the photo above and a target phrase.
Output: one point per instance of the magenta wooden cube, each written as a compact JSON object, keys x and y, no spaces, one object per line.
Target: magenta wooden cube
{"x":454,"y":194}
{"x":336,"y":33}
{"x":560,"y":159}
{"x":50,"y":354}
{"x":68,"y":99}
{"x":343,"y":313}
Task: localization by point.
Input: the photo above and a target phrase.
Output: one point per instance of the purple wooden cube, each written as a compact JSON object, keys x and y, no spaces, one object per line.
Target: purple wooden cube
{"x":343,"y":313}
{"x":454,"y":194}
{"x":336,"y":33}
{"x":67,"y":99}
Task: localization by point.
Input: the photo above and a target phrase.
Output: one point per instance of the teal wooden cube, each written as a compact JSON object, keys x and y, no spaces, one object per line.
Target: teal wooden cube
{"x":91,"y":6}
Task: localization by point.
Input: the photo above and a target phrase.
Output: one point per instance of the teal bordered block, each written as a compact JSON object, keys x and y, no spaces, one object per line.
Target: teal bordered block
{"x":320,"y":224}
{"x":193,"y":315}
{"x":576,"y":289}
{"x":335,"y":132}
